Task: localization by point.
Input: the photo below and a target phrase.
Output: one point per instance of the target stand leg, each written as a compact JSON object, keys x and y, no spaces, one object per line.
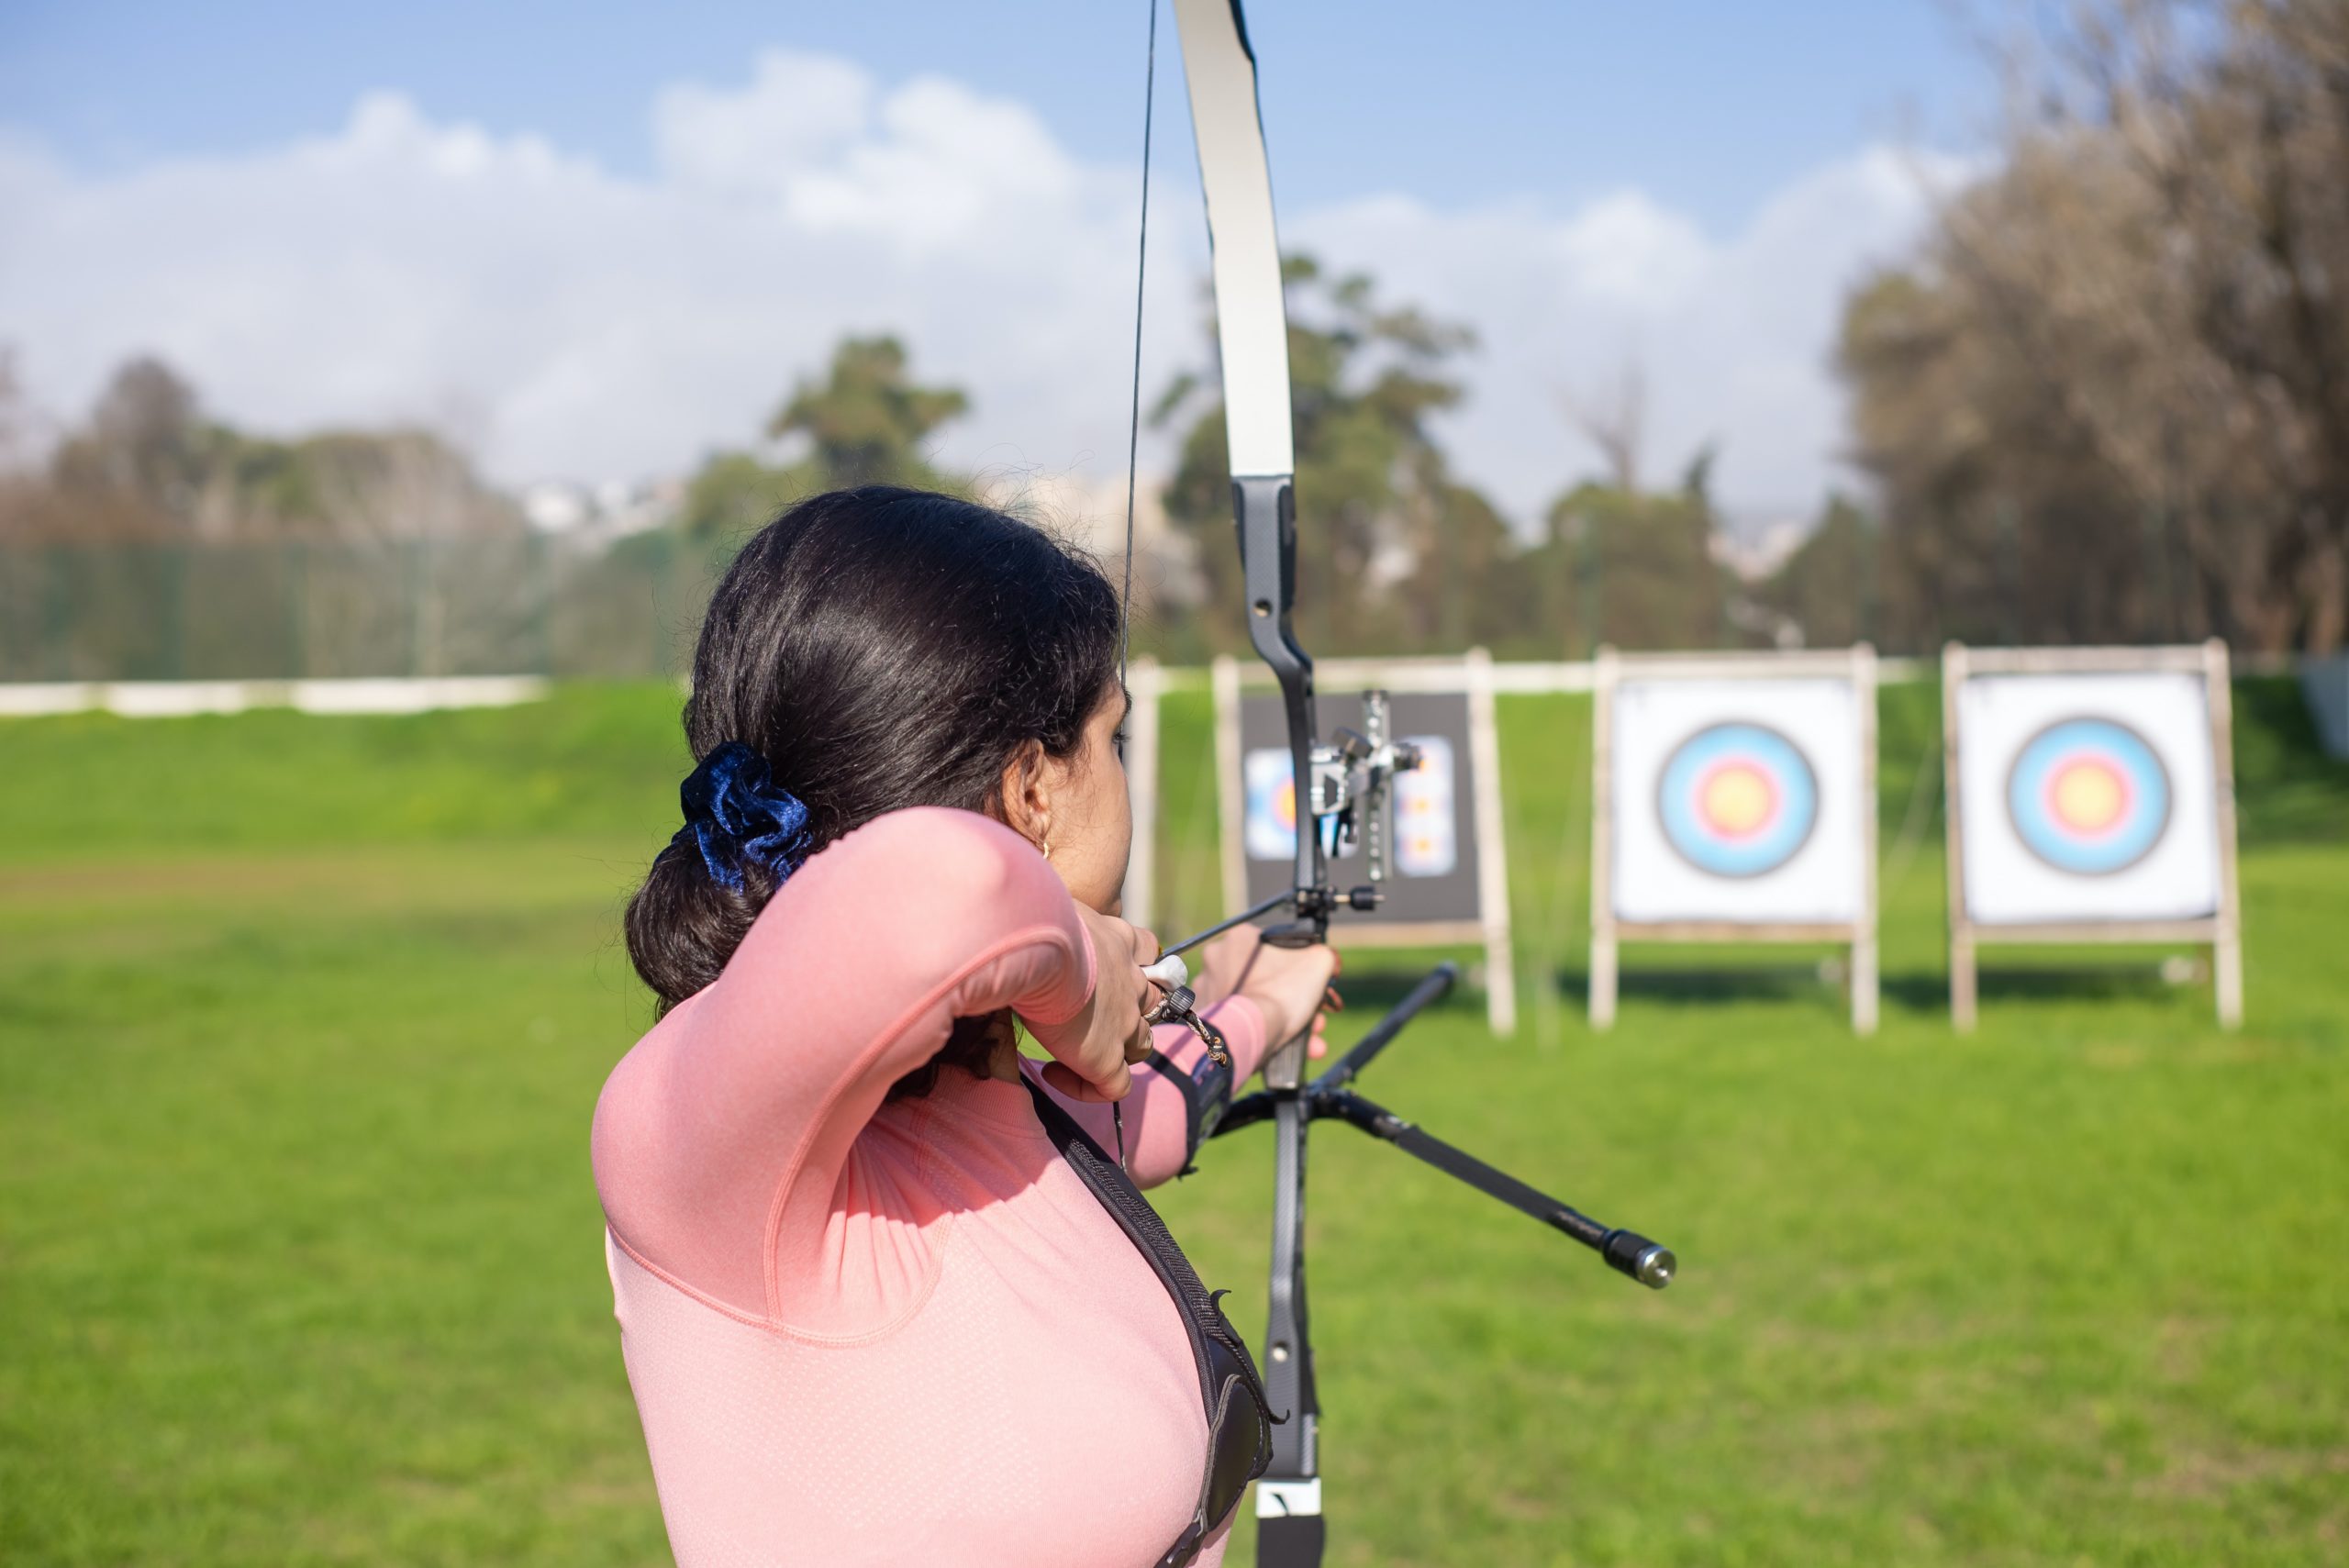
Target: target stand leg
{"x":1602,"y":976}
{"x":1961,"y":980}
{"x":1863,"y":983}
{"x":2226,"y":975}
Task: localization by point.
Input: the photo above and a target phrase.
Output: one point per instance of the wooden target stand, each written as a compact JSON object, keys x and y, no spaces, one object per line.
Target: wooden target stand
{"x":2221,"y":929}
{"x":1856,"y":664}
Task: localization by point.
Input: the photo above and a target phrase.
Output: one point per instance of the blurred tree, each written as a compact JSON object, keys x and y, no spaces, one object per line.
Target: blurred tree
{"x":24,"y":490}
{"x":1617,"y":562}
{"x":353,"y":485}
{"x":19,"y":426}
{"x":1632,"y":568}
{"x":148,"y":465}
{"x":136,"y":470}
{"x":867,"y":420}
{"x":146,"y":438}
{"x":865,"y":423}
{"x":1396,"y":555}
{"x":2110,"y":399}
{"x":1827,"y":588}
{"x":1615,"y":421}
{"x":1466,"y":590}
{"x":733,"y":495}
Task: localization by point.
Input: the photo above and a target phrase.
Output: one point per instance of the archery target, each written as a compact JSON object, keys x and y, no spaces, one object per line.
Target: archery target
{"x":2086,"y":797}
{"x":1737,"y":800}
{"x":1432,"y":825}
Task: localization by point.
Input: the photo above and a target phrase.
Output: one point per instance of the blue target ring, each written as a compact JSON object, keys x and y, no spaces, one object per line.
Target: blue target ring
{"x":2088,"y":796}
{"x":1737,"y":800}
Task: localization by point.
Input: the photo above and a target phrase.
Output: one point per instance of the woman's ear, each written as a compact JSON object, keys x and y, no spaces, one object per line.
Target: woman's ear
{"x":1027,"y":795}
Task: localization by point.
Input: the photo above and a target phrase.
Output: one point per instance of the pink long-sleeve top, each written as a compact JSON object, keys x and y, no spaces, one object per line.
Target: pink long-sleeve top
{"x":900,"y":1333}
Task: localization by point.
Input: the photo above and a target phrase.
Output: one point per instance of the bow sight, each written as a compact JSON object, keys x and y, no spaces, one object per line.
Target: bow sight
{"x":1346,"y":814}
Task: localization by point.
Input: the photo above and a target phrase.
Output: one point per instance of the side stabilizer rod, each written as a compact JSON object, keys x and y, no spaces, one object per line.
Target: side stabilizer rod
{"x":1438,"y":983}
{"x":1626,"y":1252}
{"x":1250,"y":1109}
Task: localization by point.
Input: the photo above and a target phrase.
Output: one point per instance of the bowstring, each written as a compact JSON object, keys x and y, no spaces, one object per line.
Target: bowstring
{"x":1134,"y":423}
{"x":1141,"y":274}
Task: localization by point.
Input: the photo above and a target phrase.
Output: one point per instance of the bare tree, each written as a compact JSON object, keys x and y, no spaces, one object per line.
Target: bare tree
{"x":1614,"y":420}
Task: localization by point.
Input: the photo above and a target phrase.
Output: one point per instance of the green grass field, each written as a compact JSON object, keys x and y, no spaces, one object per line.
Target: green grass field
{"x":301,"y":1020}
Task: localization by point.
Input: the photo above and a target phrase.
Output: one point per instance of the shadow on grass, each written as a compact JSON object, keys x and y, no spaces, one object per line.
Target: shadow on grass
{"x":1771,"y":982}
{"x":1376,"y":981}
{"x":1929,"y":992}
{"x":1915,"y":991}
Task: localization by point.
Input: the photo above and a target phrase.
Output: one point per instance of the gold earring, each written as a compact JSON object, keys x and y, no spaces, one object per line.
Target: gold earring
{"x":1048,"y":849}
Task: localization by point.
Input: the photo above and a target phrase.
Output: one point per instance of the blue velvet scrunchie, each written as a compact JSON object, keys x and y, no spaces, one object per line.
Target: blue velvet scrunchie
{"x":735,"y":813}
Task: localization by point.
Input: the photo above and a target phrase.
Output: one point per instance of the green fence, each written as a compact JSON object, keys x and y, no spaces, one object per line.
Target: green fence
{"x":524,"y":604}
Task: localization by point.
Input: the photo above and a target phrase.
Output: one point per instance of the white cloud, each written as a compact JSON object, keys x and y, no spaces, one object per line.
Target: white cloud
{"x":1733,"y":337}
{"x":798,"y":110}
{"x":573,"y":321}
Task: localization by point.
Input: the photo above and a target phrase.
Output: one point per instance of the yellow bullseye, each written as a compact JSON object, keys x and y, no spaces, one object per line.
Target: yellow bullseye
{"x":1736,"y":799}
{"x":2088,"y":796}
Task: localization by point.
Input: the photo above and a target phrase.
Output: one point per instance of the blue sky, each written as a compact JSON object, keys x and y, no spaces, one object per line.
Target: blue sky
{"x":588,"y":234}
{"x":1706,"y":105}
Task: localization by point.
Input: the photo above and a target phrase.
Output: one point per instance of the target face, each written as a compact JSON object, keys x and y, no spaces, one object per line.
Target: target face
{"x":2088,"y":796}
{"x":1737,"y":800}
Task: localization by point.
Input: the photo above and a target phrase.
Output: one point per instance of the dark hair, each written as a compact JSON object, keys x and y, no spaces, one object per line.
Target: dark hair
{"x":880,"y":647}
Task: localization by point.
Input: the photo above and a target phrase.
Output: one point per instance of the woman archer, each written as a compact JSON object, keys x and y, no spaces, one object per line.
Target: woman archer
{"x":883,"y":1298}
